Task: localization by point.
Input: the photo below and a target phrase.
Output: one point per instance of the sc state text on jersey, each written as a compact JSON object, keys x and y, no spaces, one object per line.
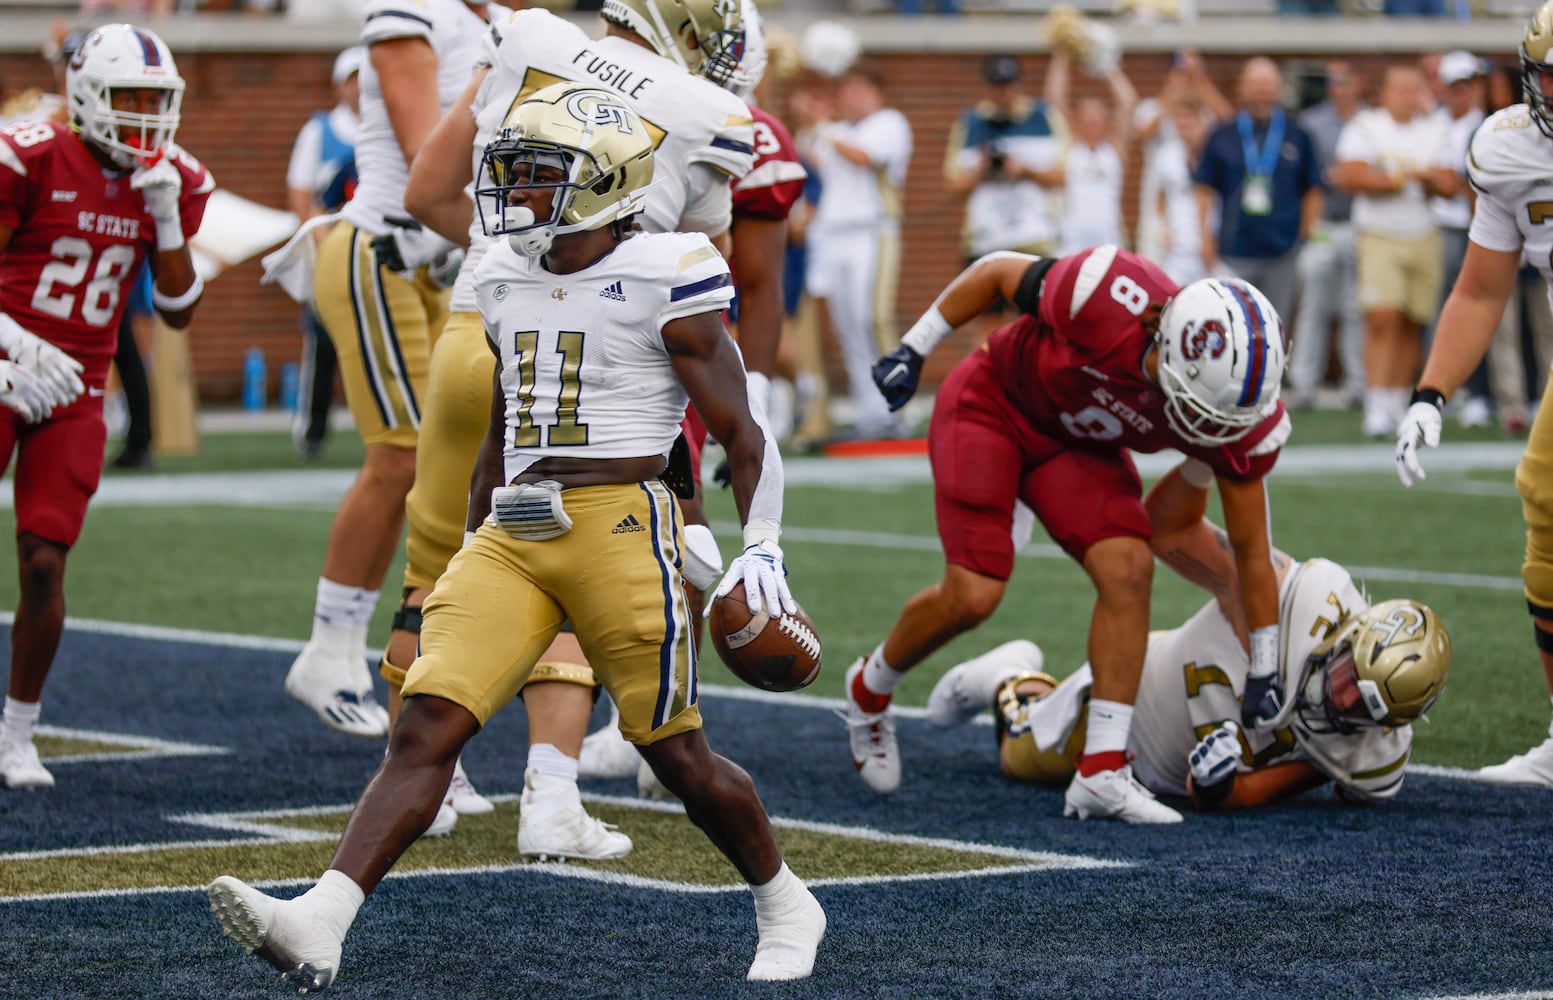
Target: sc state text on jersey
{"x":1133,"y":419}
{"x":108,"y":225}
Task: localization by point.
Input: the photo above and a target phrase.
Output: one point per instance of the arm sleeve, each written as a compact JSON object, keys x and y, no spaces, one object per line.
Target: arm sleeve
{"x":1028,"y":297}
{"x":1353,"y":143}
{"x":731,"y":146}
{"x":13,"y":184}
{"x":1493,"y":224}
{"x":710,"y":208}
{"x":701,"y":282}
{"x":302,"y":171}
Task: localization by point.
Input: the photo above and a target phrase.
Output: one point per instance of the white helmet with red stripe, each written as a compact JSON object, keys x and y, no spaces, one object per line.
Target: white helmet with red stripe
{"x":1221,"y":358}
{"x":123,"y":57}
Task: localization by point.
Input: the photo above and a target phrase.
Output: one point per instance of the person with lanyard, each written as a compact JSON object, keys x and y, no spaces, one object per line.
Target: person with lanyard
{"x":1259,"y":177}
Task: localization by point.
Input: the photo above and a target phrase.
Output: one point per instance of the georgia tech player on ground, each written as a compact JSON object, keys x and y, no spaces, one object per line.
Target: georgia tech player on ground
{"x":383,"y":309}
{"x":82,"y":208}
{"x":586,"y":408}
{"x":1513,"y":218}
{"x":1356,"y":675}
{"x":1108,"y":355}
{"x":703,"y":137}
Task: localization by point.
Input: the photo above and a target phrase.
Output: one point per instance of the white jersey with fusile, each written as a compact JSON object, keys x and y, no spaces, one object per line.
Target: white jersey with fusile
{"x":1193,"y":677}
{"x":453,"y":31}
{"x":1509,"y":165}
{"x":692,"y":120}
{"x":583,"y":364}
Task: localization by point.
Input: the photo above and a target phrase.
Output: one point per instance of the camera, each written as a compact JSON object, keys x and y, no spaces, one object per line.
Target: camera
{"x":997,"y":158}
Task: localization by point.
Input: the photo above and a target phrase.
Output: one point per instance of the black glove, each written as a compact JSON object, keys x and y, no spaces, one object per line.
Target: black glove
{"x":1262,"y":702}
{"x":896,"y":375}
{"x":723,"y":474}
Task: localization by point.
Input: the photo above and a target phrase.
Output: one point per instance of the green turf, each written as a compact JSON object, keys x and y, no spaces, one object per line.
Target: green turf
{"x":257,"y":451}
{"x":253,"y":570}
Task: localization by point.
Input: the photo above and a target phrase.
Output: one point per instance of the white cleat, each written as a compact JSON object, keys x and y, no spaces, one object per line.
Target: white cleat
{"x":970,"y":687}
{"x":647,"y":784}
{"x":21,"y":768}
{"x":875,"y":753}
{"x":1534,"y":767}
{"x":338,"y":688}
{"x":788,"y":943}
{"x":1115,"y":795}
{"x":606,"y":754}
{"x":282,"y":932}
{"x":567,"y":832}
{"x":446,"y":821}
{"x":467,"y":801}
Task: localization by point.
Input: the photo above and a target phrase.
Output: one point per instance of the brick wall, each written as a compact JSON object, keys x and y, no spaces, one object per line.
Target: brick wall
{"x":242,"y":110}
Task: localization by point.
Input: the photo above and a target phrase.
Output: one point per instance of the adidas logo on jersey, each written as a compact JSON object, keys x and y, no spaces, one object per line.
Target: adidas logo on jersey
{"x":629,"y":524}
{"x":614,"y":292}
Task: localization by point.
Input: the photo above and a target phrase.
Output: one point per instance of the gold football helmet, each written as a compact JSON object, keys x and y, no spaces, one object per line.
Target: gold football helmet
{"x":1537,"y":67}
{"x":1022,"y":759}
{"x":703,"y":36}
{"x":586,"y":144}
{"x":1383,"y":667}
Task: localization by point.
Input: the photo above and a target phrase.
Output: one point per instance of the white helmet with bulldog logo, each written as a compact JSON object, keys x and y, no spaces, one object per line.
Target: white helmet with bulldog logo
{"x":1221,"y":358}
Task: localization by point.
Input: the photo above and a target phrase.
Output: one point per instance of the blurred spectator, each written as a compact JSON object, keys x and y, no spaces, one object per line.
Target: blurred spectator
{"x":136,"y":325}
{"x":1461,"y":89}
{"x":914,"y":7}
{"x":854,"y":236}
{"x":1093,"y":165}
{"x":1393,"y":159}
{"x":1180,"y":241}
{"x":1416,"y":8}
{"x":1260,"y":171}
{"x":1153,"y":128}
{"x":321,"y":178}
{"x":1006,"y":157}
{"x":1327,"y":263}
{"x":125,"y":8}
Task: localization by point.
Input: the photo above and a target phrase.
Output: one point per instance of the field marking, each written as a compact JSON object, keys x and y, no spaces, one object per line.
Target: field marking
{"x":140,"y":747}
{"x":718,"y":691}
{"x":269,"y":826}
{"x":1533,"y":995}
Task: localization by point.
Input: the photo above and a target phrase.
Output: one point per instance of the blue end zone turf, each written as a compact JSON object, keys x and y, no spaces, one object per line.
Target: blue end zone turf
{"x":1444,"y":891}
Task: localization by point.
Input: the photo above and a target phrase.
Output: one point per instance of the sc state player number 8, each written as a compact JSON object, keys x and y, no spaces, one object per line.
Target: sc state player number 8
{"x":1096,"y":423}
{"x":72,"y":260}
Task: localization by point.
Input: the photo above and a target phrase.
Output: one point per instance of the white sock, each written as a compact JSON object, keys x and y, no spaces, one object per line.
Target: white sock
{"x":550,"y":782}
{"x":362,"y":607}
{"x":336,"y":603}
{"x":1397,"y":402}
{"x":1109,"y":724}
{"x":778,"y":894}
{"x":18,"y":719}
{"x":878,"y":676}
{"x":335,"y":900}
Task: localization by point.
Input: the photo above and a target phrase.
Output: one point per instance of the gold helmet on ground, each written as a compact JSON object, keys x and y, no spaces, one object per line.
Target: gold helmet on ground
{"x":1383,"y":667}
{"x":1537,"y":67}
{"x":704,"y":36}
{"x":586,"y":143}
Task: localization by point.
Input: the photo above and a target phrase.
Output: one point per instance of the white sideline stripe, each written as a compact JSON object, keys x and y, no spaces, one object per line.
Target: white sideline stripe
{"x":268,"y":827}
{"x":142,"y":747}
{"x":281,"y":487}
{"x":1435,"y":771}
{"x":1534,"y":995}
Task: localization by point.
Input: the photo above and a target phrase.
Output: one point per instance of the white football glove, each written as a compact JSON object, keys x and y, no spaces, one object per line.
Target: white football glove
{"x":1214,"y":760}
{"x":1421,"y":425}
{"x":24,"y":392}
{"x":404,"y":251}
{"x":760,"y":569}
{"x":58,"y":371}
{"x":161,"y":185}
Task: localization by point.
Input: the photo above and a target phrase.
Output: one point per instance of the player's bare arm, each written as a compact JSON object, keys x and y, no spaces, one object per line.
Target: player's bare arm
{"x":1470,"y":316}
{"x":407,"y":73}
{"x":1262,"y":786}
{"x":441,"y":170}
{"x":708,"y":365}
{"x":489,"y":469}
{"x":1245,"y":521}
{"x":759,"y":246}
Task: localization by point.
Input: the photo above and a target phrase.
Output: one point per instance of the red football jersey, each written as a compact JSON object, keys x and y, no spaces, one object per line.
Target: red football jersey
{"x":79,"y":236}
{"x":775,"y":183}
{"x":1076,"y":368}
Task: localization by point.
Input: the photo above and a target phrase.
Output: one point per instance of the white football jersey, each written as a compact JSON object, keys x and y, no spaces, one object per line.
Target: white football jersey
{"x":1092,"y":215}
{"x":1509,"y":166}
{"x":692,"y":119}
{"x":1193,"y":677}
{"x":583,"y":363}
{"x":870,"y":196}
{"x":453,"y":30}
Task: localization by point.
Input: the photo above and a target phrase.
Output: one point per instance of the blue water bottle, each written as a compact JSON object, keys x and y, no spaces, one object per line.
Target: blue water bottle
{"x":254,"y":379}
{"x":288,"y":386}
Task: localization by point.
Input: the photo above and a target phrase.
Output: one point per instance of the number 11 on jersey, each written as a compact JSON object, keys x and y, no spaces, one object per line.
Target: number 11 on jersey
{"x":567,"y":431}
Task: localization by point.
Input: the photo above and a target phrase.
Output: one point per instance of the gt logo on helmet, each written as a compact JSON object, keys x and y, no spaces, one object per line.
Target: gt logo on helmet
{"x":594,"y":108}
{"x":1403,"y":619}
{"x":1208,"y":337}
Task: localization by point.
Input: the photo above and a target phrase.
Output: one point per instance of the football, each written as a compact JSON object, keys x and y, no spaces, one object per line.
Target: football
{"x":771,"y":653}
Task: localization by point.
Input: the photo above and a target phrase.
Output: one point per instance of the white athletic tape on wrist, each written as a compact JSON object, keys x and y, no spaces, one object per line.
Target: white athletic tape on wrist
{"x":178,"y":303}
{"x":1264,"y":651}
{"x":169,"y":234}
{"x":1197,"y":473}
{"x":927,"y":331}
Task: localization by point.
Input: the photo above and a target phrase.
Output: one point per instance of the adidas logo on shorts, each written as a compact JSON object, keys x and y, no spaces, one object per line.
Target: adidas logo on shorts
{"x":614,"y":292}
{"x":629,"y":524}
